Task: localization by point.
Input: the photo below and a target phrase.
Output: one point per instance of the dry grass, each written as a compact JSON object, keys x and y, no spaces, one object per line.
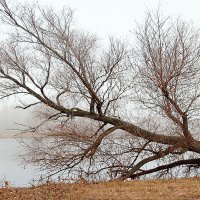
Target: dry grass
{"x":180,"y":189}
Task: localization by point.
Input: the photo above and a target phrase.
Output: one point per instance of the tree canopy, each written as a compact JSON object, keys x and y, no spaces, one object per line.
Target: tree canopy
{"x":120,"y":111}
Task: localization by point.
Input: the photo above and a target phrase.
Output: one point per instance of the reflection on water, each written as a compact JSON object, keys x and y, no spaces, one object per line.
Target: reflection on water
{"x":10,"y":164}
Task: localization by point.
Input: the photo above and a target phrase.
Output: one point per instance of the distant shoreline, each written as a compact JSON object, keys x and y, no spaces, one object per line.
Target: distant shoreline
{"x":24,"y":135}
{"x":18,"y":135}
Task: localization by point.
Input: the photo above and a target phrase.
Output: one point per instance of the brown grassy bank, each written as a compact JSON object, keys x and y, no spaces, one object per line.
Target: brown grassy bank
{"x":182,"y":189}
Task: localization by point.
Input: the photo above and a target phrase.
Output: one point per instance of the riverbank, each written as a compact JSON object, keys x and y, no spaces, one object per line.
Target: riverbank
{"x":180,"y":189}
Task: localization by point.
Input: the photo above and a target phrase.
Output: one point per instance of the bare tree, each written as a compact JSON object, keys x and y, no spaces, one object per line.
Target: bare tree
{"x":83,"y":90}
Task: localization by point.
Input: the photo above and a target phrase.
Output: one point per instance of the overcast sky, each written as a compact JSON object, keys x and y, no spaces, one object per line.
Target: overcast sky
{"x":108,"y":17}
{"x":117,"y":17}
{"x":112,"y":17}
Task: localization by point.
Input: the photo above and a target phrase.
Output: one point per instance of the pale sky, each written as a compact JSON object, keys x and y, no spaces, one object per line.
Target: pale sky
{"x":111,"y":17}
{"x":117,"y":17}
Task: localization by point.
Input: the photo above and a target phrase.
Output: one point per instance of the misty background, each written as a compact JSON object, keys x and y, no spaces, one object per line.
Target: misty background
{"x":104,"y":18}
{"x":12,"y":118}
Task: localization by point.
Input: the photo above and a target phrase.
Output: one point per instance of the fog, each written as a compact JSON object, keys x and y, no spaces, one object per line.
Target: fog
{"x":11,"y":118}
{"x":104,"y":18}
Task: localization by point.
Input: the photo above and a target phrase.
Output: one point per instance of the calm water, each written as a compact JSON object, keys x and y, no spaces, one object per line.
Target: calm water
{"x":11,"y":168}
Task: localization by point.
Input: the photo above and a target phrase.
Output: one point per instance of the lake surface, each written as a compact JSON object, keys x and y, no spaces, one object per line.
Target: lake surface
{"x":11,"y":167}
{"x":13,"y":170}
